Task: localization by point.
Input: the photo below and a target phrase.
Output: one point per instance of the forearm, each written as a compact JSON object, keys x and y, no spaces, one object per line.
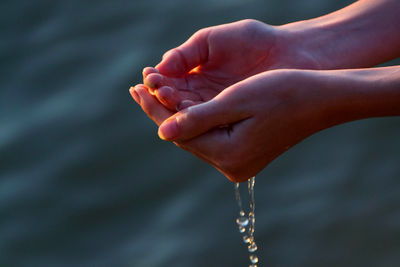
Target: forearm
{"x":363,"y":34}
{"x":348,"y":95}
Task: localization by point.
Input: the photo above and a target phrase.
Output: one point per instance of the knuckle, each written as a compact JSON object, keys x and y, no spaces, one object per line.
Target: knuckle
{"x":166,"y":53}
{"x":170,"y":52}
{"x":202,"y":35}
{"x":200,"y":32}
{"x":250,"y":23}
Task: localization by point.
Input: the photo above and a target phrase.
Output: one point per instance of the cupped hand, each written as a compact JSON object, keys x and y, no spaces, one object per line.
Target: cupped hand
{"x":217,"y":57}
{"x":247,"y":125}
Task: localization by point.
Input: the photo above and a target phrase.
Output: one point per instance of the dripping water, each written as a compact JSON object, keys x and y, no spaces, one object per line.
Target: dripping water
{"x":246,"y":222}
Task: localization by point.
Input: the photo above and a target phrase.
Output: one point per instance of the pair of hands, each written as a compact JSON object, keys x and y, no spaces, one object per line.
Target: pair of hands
{"x":231,"y":113}
{"x":238,"y":95}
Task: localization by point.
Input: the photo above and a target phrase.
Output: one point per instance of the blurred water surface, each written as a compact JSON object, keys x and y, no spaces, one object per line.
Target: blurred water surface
{"x":84,"y":180}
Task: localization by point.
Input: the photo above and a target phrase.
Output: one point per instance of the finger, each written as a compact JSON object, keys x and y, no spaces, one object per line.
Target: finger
{"x":201,"y":118}
{"x":169,"y":97}
{"x":176,"y":100}
{"x":134,"y":95}
{"x":154,"y":109}
{"x":155,"y":80}
{"x":183,"y":59}
{"x":164,"y":88}
{"x":148,"y":70}
{"x":186,"y":103}
{"x":207,"y":146}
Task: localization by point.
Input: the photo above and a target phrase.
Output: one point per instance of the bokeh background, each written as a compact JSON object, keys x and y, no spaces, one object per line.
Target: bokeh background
{"x":85,"y":181}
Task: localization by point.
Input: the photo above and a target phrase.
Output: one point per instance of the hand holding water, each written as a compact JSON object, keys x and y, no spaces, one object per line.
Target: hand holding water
{"x":243,"y":113}
{"x":252,"y":122}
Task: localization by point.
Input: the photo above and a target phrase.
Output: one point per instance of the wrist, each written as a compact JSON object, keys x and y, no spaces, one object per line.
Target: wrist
{"x":311,"y":42}
{"x":361,"y":35}
{"x":349,"y":95}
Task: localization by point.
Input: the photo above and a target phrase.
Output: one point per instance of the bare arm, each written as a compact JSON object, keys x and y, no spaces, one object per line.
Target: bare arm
{"x":275,"y":102}
{"x":363,"y":34}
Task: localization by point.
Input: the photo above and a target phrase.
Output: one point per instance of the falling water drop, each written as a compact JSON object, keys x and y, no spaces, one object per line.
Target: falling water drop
{"x":252,"y":247}
{"x":253,"y":258}
{"x":242,"y":221}
{"x":248,"y":239}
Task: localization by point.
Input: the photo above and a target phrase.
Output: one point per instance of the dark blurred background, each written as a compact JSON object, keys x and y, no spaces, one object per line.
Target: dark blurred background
{"x":85,"y":181}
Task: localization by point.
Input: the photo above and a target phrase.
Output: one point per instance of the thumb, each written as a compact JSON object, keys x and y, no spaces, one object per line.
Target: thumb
{"x":179,"y":61}
{"x":199,"y":119}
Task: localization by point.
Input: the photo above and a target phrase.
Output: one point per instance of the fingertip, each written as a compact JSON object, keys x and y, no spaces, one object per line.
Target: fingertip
{"x":168,"y":130}
{"x":169,"y":97}
{"x":165,"y":96}
{"x":164,"y":92}
{"x":155,"y":110}
{"x":153,"y":80}
{"x":148,"y":70}
{"x":184,"y":104}
{"x":171,"y":64}
{"x":167,"y":53}
{"x":134,"y":94}
{"x":141,"y":90}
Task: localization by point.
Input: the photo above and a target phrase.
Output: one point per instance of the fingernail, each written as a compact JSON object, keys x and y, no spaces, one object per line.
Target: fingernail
{"x":168,"y":130}
{"x":152,"y":87}
{"x":148,"y":69}
{"x":149,"y":84}
{"x":144,"y":74}
{"x":134,"y":95}
{"x":137,"y":91}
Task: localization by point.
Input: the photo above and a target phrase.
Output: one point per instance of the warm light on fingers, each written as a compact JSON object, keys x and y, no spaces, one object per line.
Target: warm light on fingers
{"x":195,"y":70}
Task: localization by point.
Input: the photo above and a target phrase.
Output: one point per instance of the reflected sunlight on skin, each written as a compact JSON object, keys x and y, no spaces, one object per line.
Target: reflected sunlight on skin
{"x":247,"y":76}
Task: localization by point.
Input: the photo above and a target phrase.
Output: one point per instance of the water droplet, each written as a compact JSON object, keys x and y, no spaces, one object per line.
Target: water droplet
{"x":246,"y":223}
{"x":253,"y":258}
{"x":248,"y":239}
{"x":252,"y":247}
{"x":251,"y":230}
{"x":242,"y":221}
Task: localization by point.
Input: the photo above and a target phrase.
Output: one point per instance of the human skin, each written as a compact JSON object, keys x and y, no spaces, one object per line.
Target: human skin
{"x":363,"y":34}
{"x":272,"y":111}
{"x":258,"y":112}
